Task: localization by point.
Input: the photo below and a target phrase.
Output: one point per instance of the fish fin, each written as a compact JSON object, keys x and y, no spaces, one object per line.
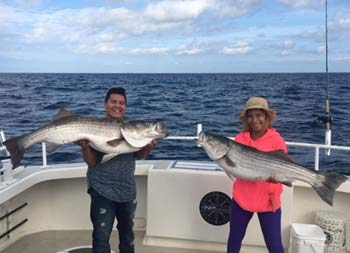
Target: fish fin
{"x":52,"y":147}
{"x":16,"y":151}
{"x":329,"y":183}
{"x":63,"y":113}
{"x":114,"y":142}
{"x":230,"y":163}
{"x":287,"y":183}
{"x":281,"y":154}
{"x":108,"y":157}
{"x":137,"y":143}
{"x":229,"y":175}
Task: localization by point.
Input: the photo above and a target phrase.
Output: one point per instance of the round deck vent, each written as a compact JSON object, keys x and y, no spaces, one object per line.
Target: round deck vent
{"x":215,"y":208}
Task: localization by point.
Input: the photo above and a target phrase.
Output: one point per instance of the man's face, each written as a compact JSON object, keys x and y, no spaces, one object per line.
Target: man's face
{"x":116,"y":107}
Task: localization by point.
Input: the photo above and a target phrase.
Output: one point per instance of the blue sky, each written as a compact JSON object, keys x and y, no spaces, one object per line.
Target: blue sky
{"x":173,"y":36}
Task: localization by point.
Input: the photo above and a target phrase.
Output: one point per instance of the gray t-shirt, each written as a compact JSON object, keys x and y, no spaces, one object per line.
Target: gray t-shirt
{"x":114,"y":179}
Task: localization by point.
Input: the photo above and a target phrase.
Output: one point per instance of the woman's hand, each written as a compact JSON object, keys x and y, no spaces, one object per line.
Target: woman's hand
{"x":272,"y":180}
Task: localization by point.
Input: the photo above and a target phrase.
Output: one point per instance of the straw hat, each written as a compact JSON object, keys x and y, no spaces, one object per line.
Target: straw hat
{"x":258,"y":103}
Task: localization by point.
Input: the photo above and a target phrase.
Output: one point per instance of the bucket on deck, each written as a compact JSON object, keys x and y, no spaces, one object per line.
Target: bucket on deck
{"x":307,"y":238}
{"x":334,"y":226}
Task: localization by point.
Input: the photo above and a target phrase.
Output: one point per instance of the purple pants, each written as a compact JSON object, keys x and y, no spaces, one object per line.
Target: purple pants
{"x":270,"y":223}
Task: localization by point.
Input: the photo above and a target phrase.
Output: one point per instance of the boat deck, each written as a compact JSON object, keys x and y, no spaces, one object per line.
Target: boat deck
{"x":61,"y":241}
{"x":52,"y":205}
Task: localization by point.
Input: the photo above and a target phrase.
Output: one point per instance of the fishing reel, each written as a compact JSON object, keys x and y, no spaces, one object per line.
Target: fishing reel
{"x":327,"y":120}
{"x":323,"y":119}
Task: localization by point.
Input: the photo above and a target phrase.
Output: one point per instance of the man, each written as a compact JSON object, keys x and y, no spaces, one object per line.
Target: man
{"x":112,"y":185}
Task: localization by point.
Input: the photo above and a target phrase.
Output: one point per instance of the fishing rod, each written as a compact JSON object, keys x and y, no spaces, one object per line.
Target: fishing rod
{"x":327,"y":119}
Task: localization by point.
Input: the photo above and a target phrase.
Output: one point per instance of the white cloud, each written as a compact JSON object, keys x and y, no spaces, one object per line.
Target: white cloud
{"x":192,"y":51}
{"x":285,"y":53}
{"x":29,"y":3}
{"x":341,"y":24}
{"x":225,"y":8}
{"x":160,"y":27}
{"x":238,"y":48}
{"x":303,"y":3}
{"x":72,"y":37}
{"x":103,"y":48}
{"x":10,"y":14}
{"x":39,"y":32}
{"x":95,"y":26}
{"x":176,"y":10}
{"x":321,"y":50}
{"x":288,"y":44}
{"x":143,"y":51}
{"x":317,"y":35}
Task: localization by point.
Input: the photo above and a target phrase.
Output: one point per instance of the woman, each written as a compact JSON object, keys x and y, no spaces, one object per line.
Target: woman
{"x":263,"y":198}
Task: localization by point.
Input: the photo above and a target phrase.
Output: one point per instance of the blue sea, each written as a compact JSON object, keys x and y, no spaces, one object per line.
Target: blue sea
{"x":29,"y":101}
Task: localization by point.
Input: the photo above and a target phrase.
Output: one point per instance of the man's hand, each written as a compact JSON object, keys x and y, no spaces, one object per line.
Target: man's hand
{"x":152,"y":145}
{"x":146,"y":150}
{"x":84,"y":144}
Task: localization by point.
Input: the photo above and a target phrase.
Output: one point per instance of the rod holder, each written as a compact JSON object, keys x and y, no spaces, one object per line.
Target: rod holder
{"x":328,"y":139}
{"x":7,"y":172}
{"x":3,"y":150}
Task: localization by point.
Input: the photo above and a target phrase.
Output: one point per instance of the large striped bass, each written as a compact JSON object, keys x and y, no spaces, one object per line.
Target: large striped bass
{"x":248,"y":163}
{"x":104,"y":135}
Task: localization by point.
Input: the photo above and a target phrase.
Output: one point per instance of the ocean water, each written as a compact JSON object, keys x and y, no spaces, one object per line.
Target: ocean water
{"x":180,"y":101}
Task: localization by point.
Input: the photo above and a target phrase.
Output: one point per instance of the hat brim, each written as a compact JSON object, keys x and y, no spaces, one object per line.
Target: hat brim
{"x":272,"y":114}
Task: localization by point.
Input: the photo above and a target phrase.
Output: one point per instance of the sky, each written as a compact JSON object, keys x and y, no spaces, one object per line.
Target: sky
{"x":173,"y":36}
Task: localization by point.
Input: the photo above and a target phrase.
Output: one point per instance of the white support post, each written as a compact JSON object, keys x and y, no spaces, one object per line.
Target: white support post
{"x":199,"y":130}
{"x":317,"y":158}
{"x":43,"y":146}
{"x":2,"y":140}
{"x":328,"y":138}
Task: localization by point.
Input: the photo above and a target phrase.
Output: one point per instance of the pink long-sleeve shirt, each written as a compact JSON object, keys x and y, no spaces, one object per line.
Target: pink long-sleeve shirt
{"x":259,"y":196}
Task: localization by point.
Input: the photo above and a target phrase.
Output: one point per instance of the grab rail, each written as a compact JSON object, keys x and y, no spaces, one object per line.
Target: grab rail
{"x":13,"y":228}
{"x":7,"y":215}
{"x":13,"y":211}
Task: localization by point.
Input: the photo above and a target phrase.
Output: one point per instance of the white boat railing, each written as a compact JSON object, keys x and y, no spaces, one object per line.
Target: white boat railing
{"x":316,"y":147}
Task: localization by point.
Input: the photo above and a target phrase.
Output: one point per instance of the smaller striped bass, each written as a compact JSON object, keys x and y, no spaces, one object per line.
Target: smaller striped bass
{"x":248,"y":163}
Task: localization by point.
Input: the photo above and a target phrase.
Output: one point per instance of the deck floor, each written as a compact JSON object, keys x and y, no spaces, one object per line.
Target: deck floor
{"x":59,"y":241}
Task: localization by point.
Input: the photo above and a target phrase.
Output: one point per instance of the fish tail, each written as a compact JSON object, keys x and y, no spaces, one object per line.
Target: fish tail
{"x":16,"y":151}
{"x":329,"y":183}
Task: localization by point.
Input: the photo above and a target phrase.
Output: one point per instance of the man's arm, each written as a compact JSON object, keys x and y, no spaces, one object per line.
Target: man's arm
{"x":90,"y":157}
{"x":146,"y":150}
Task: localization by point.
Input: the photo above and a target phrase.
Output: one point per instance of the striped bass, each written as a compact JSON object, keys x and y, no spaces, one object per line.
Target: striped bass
{"x":248,"y":163}
{"x":104,"y":135}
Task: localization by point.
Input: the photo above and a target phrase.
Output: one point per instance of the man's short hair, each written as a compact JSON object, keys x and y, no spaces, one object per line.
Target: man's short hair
{"x":116,"y":90}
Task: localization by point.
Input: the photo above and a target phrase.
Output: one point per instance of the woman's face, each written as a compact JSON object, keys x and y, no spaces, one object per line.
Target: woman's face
{"x":257,"y":120}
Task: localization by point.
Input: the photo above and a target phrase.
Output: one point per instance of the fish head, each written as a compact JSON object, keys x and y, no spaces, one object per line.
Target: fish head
{"x":141,"y":133}
{"x":214,"y":145}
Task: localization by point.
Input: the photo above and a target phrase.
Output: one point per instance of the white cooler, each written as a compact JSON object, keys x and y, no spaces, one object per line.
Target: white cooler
{"x":307,"y":238}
